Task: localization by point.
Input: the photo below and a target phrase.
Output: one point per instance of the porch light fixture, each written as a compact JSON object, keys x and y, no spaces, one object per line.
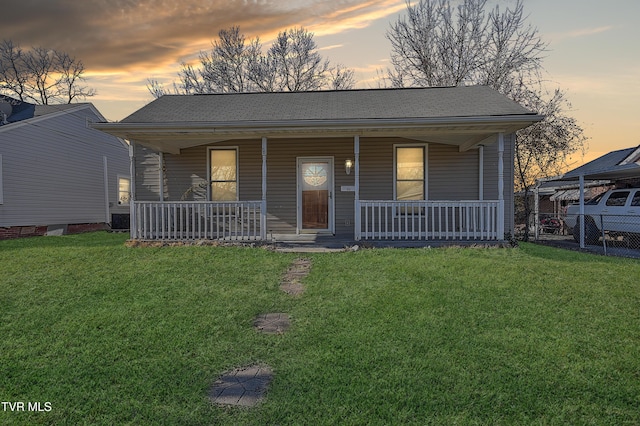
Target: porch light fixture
{"x":348,"y":164}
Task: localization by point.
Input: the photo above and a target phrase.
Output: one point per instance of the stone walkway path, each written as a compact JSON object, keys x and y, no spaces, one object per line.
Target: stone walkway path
{"x":243,"y":387}
{"x":291,"y":282}
{"x":246,"y":386}
{"x":274,"y":323}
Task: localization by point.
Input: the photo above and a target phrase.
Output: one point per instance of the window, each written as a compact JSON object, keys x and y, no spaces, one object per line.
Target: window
{"x":595,"y":200}
{"x":617,"y":199}
{"x":124,"y":191}
{"x":223,"y":172}
{"x":410,"y":173}
{"x":636,"y":200}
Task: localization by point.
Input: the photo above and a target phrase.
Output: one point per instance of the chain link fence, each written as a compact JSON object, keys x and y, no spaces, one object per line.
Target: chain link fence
{"x":609,"y":234}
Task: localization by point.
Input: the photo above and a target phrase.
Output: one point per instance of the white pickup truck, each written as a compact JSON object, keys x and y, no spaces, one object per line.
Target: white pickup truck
{"x":617,"y":211}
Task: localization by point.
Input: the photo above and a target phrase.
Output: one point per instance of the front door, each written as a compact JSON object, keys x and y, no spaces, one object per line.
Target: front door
{"x":315,"y":194}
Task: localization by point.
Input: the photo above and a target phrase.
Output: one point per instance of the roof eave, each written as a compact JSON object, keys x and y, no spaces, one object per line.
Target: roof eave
{"x":197,"y":133}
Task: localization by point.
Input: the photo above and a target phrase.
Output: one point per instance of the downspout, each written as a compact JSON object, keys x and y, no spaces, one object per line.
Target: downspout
{"x":106,"y":190}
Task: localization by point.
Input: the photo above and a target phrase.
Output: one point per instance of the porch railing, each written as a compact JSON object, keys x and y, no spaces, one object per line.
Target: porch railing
{"x":189,"y":220}
{"x":428,"y":220}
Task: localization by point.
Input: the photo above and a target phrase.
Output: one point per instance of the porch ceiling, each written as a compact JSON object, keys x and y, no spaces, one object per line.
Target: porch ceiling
{"x":466,"y":132}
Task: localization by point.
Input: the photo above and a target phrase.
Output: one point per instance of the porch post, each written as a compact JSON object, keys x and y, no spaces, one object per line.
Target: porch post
{"x":481,"y":174}
{"x":501,"y":186}
{"x":133,"y":224}
{"x":581,"y":215}
{"x":356,"y":205}
{"x":263,"y":206}
{"x":161,"y":174}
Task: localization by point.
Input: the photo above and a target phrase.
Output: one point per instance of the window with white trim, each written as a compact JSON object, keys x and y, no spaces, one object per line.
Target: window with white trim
{"x":124,"y":190}
{"x":410,"y":173}
{"x":223,"y":174}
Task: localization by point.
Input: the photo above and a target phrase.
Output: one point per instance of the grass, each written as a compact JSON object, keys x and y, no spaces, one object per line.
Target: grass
{"x":115,"y":335}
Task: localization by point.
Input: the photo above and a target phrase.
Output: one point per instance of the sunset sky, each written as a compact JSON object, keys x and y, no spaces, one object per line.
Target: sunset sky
{"x":594,"y":52}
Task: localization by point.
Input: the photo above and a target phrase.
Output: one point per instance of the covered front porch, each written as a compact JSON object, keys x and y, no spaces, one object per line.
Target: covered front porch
{"x":360,"y":218}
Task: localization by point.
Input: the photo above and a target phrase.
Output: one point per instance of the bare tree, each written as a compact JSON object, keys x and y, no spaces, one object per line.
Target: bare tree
{"x":542,"y":149}
{"x":297,"y":64}
{"x":13,"y":74}
{"x":226,"y":68}
{"x":341,"y":78}
{"x":235,"y":64}
{"x":41,"y":75}
{"x":70,"y":79}
{"x":438,"y":45}
{"x":432,"y":46}
{"x":435,"y":45}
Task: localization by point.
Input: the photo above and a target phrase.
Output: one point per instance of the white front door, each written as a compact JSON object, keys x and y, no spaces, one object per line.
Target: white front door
{"x":315,"y":194}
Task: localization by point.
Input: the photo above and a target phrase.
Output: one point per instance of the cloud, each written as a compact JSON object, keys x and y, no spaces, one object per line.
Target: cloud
{"x":149,"y":35}
{"x":333,"y":46}
{"x":582,"y":32}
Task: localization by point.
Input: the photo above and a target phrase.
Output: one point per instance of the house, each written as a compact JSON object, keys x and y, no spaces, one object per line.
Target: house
{"x":58,"y":175}
{"x":402,"y":164}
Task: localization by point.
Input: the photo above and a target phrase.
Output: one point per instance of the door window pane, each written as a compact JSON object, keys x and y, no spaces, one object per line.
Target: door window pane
{"x":314,"y":176}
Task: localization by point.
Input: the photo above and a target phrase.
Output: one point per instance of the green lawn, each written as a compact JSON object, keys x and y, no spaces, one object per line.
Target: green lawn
{"x":114,"y":335}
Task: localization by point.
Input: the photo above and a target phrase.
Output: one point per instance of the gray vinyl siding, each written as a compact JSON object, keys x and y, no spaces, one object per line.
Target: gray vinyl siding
{"x":147,"y":173}
{"x":451,"y":175}
{"x":185,"y":175}
{"x":53,"y":170}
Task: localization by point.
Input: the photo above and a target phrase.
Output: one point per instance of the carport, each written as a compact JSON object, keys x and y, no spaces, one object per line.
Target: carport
{"x":620,"y":167}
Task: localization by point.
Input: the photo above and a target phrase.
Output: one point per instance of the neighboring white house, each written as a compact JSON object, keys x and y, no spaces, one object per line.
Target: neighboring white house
{"x":58,"y":175}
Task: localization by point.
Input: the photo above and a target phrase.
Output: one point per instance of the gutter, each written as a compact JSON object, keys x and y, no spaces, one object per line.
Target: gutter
{"x":310,"y":125}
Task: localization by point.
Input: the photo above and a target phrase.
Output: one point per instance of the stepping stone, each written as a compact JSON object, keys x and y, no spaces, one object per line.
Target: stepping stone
{"x":297,"y":271}
{"x":274,"y":323}
{"x":243,"y":387}
{"x":294,"y":289}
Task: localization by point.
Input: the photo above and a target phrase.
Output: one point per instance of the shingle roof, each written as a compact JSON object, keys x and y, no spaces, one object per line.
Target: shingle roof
{"x":444,"y":102}
{"x":50,"y":109}
{"x":20,"y":110}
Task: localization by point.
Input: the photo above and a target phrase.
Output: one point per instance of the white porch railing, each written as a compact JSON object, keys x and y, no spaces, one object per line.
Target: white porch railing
{"x":428,"y":220}
{"x":189,"y":220}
